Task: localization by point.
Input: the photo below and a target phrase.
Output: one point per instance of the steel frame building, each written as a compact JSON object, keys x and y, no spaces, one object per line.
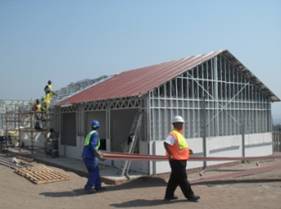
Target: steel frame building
{"x":232,"y":98}
{"x":227,"y":109}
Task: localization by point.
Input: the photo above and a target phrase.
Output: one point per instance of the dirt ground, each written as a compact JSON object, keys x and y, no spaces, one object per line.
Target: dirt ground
{"x":258,"y":191}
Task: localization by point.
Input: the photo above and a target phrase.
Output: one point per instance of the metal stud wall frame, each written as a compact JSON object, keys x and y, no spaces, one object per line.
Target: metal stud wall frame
{"x":115,"y":104}
{"x":233,"y":101}
{"x":106,"y":106}
{"x":69,"y":109}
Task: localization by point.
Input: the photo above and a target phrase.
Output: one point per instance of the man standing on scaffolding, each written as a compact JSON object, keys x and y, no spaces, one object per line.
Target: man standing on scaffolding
{"x":38,"y":114}
{"x":49,"y":87}
{"x":49,"y":93}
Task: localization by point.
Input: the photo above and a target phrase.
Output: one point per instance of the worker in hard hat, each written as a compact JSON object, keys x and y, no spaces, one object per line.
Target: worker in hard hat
{"x":37,"y":106}
{"x":91,"y":157}
{"x":178,"y":153}
{"x":49,"y":87}
{"x":43,"y":105}
{"x":47,"y":100}
{"x":49,"y":94}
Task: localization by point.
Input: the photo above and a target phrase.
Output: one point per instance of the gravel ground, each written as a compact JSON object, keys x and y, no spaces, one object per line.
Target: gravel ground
{"x":258,"y":191}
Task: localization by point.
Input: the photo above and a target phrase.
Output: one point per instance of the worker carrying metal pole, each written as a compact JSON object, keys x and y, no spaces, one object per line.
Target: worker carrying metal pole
{"x":91,"y":157}
{"x":178,"y":154}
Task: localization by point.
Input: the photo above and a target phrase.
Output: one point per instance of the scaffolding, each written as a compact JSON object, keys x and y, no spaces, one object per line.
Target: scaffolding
{"x":12,"y":105}
{"x":21,"y":124}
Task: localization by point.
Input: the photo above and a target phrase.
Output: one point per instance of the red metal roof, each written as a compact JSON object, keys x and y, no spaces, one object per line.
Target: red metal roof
{"x":139,"y":81}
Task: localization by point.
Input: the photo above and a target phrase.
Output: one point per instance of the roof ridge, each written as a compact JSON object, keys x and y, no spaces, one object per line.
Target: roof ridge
{"x":139,"y":81}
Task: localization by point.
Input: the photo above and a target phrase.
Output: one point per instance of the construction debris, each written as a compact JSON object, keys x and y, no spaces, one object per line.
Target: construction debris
{"x":7,"y":163}
{"x":41,"y":174}
{"x":12,"y":163}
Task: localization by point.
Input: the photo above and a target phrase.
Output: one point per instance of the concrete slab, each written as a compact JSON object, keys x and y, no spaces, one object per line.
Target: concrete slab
{"x":110,"y":175}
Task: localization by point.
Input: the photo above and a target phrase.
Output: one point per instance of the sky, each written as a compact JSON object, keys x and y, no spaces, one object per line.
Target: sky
{"x":66,"y":41}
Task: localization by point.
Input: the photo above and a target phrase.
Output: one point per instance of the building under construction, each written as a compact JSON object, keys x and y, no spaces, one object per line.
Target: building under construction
{"x":227,"y":109}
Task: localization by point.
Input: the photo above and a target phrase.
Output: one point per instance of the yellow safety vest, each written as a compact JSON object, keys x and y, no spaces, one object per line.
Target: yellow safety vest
{"x":50,"y":86}
{"x":88,"y":137}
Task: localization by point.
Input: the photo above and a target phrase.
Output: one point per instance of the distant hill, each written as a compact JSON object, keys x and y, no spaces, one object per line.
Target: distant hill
{"x":74,"y":87}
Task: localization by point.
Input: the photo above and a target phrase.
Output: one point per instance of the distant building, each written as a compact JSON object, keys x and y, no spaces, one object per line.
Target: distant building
{"x":220,"y":99}
{"x":75,"y":87}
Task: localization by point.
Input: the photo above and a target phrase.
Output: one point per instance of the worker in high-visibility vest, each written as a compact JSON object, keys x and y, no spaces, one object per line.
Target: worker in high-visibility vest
{"x":178,"y":153}
{"x":49,"y":87}
{"x":91,"y":157}
{"x":49,"y":94}
{"x":37,"y":106}
{"x":47,"y":100}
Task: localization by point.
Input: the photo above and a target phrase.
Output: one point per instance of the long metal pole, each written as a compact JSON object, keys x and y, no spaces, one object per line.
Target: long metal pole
{"x":242,"y":125}
{"x":203,"y":129}
{"x":32,"y":133}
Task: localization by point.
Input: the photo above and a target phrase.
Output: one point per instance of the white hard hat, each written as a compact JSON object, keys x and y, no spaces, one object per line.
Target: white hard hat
{"x":178,"y":119}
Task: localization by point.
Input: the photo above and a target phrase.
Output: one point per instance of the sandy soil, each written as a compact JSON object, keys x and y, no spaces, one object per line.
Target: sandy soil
{"x":259,"y":191}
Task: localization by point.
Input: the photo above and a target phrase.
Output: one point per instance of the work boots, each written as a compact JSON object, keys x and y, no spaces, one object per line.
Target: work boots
{"x":193,"y":198}
{"x":170,"y":198}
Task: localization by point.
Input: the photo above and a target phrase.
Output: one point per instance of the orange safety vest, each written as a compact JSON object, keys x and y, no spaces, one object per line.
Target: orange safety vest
{"x":179,"y":150}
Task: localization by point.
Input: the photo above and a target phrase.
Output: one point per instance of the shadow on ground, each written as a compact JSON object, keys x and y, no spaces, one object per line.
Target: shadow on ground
{"x":142,"y":182}
{"x":224,"y":170}
{"x":144,"y":203}
{"x":237,"y":181}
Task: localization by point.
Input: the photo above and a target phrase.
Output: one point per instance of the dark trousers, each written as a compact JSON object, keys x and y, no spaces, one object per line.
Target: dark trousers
{"x":178,"y":177}
{"x":94,"y":174}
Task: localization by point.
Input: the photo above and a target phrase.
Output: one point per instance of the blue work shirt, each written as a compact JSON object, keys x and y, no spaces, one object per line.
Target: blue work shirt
{"x":88,"y":151}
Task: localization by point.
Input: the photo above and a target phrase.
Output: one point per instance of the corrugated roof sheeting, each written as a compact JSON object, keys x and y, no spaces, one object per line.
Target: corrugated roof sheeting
{"x":139,"y":81}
